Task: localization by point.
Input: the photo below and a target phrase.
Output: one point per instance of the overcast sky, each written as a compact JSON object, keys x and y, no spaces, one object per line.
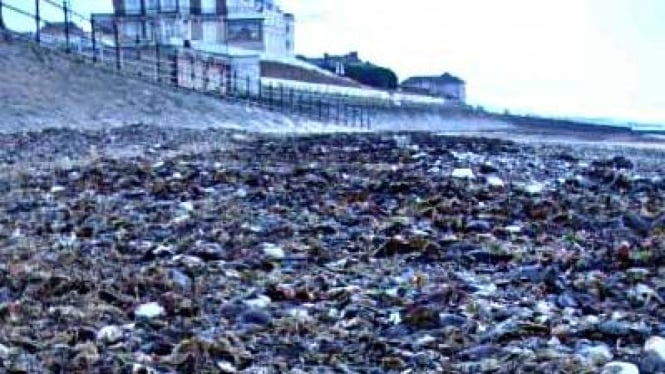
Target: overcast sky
{"x":586,"y":58}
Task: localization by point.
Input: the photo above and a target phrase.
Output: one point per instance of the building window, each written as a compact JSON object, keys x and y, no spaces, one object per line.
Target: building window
{"x":168,"y":5}
{"x":197,"y":30}
{"x":151,"y":5}
{"x":133,"y":6}
{"x":169,"y":30}
{"x":132,"y":30}
{"x":245,"y":31}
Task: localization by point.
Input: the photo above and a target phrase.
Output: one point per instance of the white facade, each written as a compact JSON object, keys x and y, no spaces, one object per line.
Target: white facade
{"x":256,"y":25}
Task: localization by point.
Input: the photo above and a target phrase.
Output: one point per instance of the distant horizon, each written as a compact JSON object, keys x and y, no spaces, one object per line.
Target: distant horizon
{"x":570,"y":59}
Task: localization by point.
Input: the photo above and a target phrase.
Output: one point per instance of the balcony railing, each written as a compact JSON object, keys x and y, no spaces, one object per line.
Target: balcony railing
{"x":170,"y":10}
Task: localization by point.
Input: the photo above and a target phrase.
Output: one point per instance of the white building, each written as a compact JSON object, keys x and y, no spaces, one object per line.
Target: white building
{"x":446,"y":86}
{"x":255,"y":25}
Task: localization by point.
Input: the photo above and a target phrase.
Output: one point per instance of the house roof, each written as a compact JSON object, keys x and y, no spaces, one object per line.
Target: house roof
{"x":445,"y":78}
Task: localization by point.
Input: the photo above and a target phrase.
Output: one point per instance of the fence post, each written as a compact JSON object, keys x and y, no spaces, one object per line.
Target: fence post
{"x":281,"y":96}
{"x":158,"y":62}
{"x":206,"y":74}
{"x":138,"y":56}
{"x":234,"y":82}
{"x":116,"y":36}
{"x":65,"y":9}
{"x":94,"y":39}
{"x":269,"y":95}
{"x":38,"y":37}
{"x":2,"y":21}
{"x":320,"y":104}
{"x":291,"y":100}
{"x":260,"y":92}
{"x":175,"y":74}
{"x":339,"y":111}
{"x":192,"y":73}
{"x":352,"y":115}
{"x":249,"y":87}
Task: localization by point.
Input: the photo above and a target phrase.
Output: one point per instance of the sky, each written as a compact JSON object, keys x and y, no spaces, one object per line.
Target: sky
{"x":564,"y":58}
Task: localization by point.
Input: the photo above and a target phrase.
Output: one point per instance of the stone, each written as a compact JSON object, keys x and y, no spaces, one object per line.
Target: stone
{"x":187,"y":206}
{"x":479,"y":226}
{"x":618,"y":367}
{"x":596,"y":354}
{"x":534,"y":188}
{"x":273,"y":251}
{"x":110,"y":334}
{"x":256,"y":317}
{"x":259,"y":302}
{"x":653,"y":360}
{"x":494,"y":181}
{"x":226,"y":367}
{"x":464,"y":173}
{"x":149,"y":310}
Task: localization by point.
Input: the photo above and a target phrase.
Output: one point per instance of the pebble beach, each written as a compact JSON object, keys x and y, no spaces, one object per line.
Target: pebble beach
{"x":144,"y":249}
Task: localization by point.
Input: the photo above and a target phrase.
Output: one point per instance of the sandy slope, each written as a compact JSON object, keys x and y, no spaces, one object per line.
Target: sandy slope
{"x":40,"y":89}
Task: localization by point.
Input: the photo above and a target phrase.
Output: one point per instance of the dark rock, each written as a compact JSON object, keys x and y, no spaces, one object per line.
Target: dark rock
{"x":256,"y":317}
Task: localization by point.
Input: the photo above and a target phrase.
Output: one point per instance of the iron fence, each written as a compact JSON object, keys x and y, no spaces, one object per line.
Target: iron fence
{"x":63,"y":29}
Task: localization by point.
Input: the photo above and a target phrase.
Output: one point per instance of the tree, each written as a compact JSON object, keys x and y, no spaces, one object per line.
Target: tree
{"x":372,"y":75}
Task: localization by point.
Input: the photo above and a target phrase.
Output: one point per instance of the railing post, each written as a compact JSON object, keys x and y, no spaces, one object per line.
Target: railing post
{"x":175,"y":74}
{"x":269,"y":95}
{"x":65,"y":9}
{"x":116,"y":35}
{"x":339,"y":111}
{"x":260,"y":91}
{"x":249,"y":92}
{"x":291,"y":100}
{"x":281,"y":96}
{"x":38,"y":28}
{"x":2,"y":21}
{"x":354,"y":115}
{"x":192,"y":73}
{"x":94,"y":39}
{"x":158,"y":63}
{"x":234,"y":82}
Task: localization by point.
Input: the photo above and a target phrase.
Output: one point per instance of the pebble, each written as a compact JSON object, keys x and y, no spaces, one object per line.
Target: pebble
{"x":187,"y":206}
{"x":653,"y":360}
{"x":226,"y":367}
{"x":110,"y":334}
{"x":260,"y":302}
{"x":495,"y":181}
{"x":534,"y":188}
{"x":149,"y":310}
{"x":597,"y":354}
{"x":463,"y":174}
{"x":256,"y":317}
{"x":274,"y":252}
{"x":619,"y":367}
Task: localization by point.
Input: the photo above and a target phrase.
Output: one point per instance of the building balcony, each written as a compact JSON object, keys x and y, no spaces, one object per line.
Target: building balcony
{"x":168,"y":11}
